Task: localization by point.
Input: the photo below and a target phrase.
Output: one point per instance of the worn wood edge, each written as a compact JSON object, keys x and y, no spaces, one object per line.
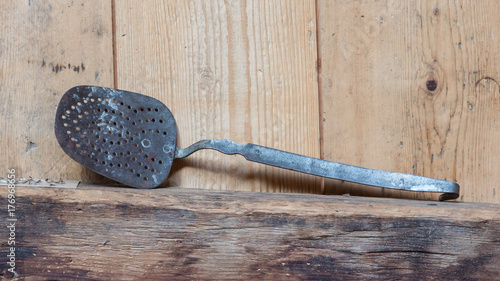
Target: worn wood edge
{"x":117,"y":233}
{"x":246,"y":201}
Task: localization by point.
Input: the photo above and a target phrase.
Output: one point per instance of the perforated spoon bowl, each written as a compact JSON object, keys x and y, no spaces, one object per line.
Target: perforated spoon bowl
{"x":131,"y":138}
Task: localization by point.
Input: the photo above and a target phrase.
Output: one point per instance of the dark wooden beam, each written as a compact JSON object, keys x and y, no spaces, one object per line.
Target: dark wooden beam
{"x":121,"y":233}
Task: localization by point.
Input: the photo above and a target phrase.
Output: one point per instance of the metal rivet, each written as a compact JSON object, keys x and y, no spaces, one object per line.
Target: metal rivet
{"x":146,"y":143}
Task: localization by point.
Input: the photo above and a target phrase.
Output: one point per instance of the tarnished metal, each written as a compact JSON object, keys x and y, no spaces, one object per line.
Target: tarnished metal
{"x":328,"y":169}
{"x":125,"y":136}
{"x":131,"y":138}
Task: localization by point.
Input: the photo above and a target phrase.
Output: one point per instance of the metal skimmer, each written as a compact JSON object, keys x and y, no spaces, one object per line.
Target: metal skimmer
{"x":131,"y":138}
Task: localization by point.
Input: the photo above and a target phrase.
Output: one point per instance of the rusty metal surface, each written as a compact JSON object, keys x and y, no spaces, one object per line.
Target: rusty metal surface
{"x":131,"y":138}
{"x":127,"y":137}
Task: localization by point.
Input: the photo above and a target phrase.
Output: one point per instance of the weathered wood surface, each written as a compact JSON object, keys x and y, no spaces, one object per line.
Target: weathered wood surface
{"x":403,"y":86}
{"x":105,"y":233}
{"x":46,"y":47}
{"x":239,"y":70}
{"x":412,"y":86}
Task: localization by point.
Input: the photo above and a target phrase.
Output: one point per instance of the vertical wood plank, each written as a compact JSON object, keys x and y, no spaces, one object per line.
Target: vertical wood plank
{"x":46,"y":47}
{"x":403,"y":89}
{"x":239,"y":70}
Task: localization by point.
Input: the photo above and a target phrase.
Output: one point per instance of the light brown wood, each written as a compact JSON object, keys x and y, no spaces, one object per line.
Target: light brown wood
{"x":412,"y":87}
{"x":239,"y":70}
{"x":247,"y":71}
{"x":46,"y":47}
{"x":104,"y":233}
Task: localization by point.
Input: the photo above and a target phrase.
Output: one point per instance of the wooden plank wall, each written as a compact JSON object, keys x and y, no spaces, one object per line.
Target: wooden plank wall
{"x":411,"y":86}
{"x":402,"y":86}
{"x":244,"y":71}
{"x":46,"y":48}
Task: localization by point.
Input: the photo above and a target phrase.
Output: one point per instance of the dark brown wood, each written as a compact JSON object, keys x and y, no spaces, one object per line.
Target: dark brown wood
{"x":110,"y":233}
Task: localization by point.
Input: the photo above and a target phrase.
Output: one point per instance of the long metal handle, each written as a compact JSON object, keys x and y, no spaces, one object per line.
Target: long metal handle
{"x":328,"y":169}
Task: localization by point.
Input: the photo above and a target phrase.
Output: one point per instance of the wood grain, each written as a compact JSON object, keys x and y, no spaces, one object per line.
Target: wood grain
{"x":239,"y":70}
{"x":409,"y":87}
{"x":46,"y":47}
{"x":412,"y":87}
{"x":104,"y":233}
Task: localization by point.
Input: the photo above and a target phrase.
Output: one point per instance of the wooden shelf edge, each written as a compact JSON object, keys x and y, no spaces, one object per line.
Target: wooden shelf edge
{"x":107,"y":233}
